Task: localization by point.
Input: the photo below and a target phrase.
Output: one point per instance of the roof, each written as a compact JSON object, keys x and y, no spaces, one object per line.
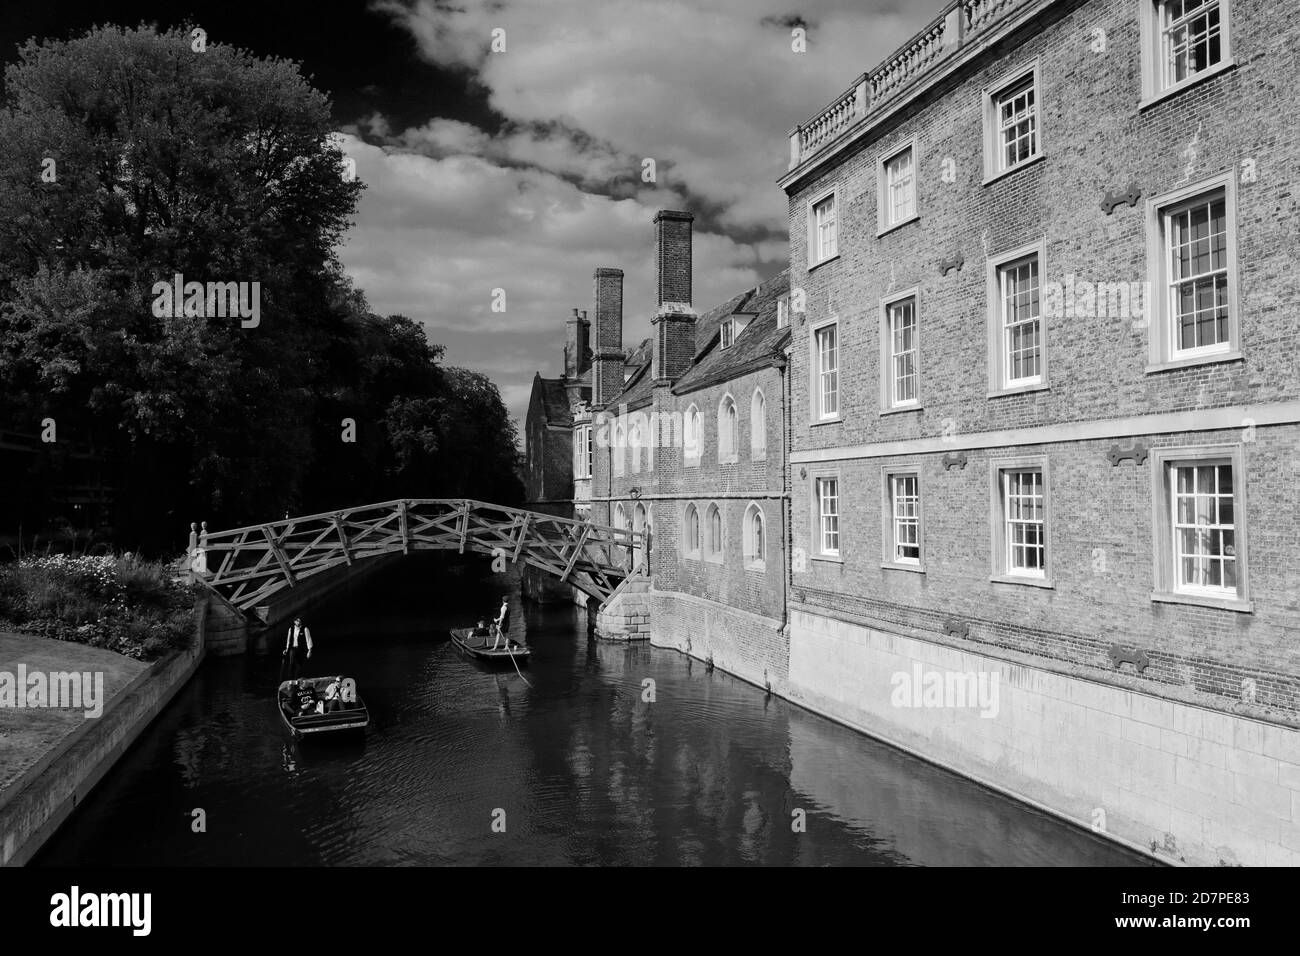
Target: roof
{"x":759,"y":343}
{"x":555,"y":400}
{"x":638,"y":390}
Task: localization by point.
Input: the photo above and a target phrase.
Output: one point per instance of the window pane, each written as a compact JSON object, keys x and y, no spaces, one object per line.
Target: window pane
{"x":905,"y":496}
{"x":1021,"y":321}
{"x":900,"y":184}
{"x":828,"y":371}
{"x":903,"y":364}
{"x":1017,"y":123}
{"x":1025,"y":513}
{"x":824,"y":220}
{"x":1204,"y":533}
{"x":829,"y":510}
{"x":1191,"y":38}
{"x":1198,"y":255}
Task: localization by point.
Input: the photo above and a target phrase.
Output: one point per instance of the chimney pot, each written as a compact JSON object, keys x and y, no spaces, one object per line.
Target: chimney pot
{"x":674,"y":321}
{"x":673,"y":267}
{"x":607,"y":354}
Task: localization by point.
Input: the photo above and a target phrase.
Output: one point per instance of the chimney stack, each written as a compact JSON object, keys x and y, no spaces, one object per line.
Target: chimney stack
{"x":576,"y":343}
{"x":607,"y":354}
{"x":674,"y":320}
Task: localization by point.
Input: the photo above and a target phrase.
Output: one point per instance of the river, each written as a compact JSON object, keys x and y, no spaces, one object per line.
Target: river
{"x":466,"y":766}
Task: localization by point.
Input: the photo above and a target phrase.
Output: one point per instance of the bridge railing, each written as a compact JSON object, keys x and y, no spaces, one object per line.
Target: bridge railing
{"x":250,"y":564}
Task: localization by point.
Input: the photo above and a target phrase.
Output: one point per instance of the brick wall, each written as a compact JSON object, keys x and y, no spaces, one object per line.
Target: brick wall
{"x":748,"y":645}
{"x":673,"y":261}
{"x":1096,"y":139}
{"x":1102,"y":553}
{"x":607,"y":350}
{"x":667,"y":485}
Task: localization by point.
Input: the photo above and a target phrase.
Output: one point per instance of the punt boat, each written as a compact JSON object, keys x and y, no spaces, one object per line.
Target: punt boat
{"x":351,"y":716}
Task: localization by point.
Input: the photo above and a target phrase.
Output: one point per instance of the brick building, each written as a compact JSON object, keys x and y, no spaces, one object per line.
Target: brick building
{"x":1045,"y":400}
{"x":691,"y":448}
{"x":558,"y":443}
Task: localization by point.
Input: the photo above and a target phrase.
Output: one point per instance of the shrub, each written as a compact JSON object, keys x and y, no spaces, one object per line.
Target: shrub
{"x":121,"y":603}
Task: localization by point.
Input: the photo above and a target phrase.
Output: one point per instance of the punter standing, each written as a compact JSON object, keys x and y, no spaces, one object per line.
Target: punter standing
{"x":297,"y":647}
{"x":502,"y":623}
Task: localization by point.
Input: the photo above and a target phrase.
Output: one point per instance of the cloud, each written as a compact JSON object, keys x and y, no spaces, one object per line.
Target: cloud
{"x":583,"y":94}
{"x":709,"y":92}
{"x":434,"y":237}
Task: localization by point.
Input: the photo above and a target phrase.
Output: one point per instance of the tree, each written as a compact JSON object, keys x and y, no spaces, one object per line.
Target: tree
{"x":130,"y":159}
{"x":135,"y":158}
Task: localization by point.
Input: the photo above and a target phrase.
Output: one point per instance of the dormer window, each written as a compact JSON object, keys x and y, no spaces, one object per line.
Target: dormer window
{"x":731,"y":328}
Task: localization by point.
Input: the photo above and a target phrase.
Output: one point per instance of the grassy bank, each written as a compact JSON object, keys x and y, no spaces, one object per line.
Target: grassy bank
{"x":119,"y":603}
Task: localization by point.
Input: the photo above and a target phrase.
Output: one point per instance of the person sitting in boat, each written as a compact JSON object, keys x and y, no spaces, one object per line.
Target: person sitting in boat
{"x":480,"y":630}
{"x":333,"y":699}
{"x":306,"y":697}
{"x":502,"y":624}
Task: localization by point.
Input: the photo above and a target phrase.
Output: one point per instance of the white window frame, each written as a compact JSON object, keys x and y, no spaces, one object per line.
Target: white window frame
{"x":692,"y":544}
{"x":995,"y":166}
{"x":885,"y":220}
{"x":820,"y":533}
{"x":727,"y":334}
{"x":890,"y":475}
{"x":582,"y":452}
{"x":728,"y":430}
{"x":758,"y":426}
{"x":817,"y":403}
{"x":717,"y":557}
{"x":1155,"y":81}
{"x":817,"y":255}
{"x":1166,"y":587}
{"x":888,"y":403}
{"x":692,"y":436}
{"x":1002,"y":571}
{"x":755,"y":555}
{"x":619,"y":449}
{"x":999,"y":382}
{"x":1161,"y":339}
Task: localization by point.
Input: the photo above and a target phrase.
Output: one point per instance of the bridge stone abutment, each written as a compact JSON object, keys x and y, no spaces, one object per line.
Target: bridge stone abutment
{"x":626,"y":615}
{"x":225,"y":629}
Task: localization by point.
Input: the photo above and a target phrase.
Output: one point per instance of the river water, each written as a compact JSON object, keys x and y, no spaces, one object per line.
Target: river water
{"x":577,"y":769}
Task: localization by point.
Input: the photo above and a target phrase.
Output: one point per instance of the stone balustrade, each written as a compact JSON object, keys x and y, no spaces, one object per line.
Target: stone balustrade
{"x":958,"y":25}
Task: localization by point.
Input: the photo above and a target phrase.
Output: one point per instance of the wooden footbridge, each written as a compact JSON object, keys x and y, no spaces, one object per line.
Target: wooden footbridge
{"x":247,"y":566}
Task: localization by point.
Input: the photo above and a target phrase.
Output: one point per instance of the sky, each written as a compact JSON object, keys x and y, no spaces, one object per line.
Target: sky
{"x":504,"y":143}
